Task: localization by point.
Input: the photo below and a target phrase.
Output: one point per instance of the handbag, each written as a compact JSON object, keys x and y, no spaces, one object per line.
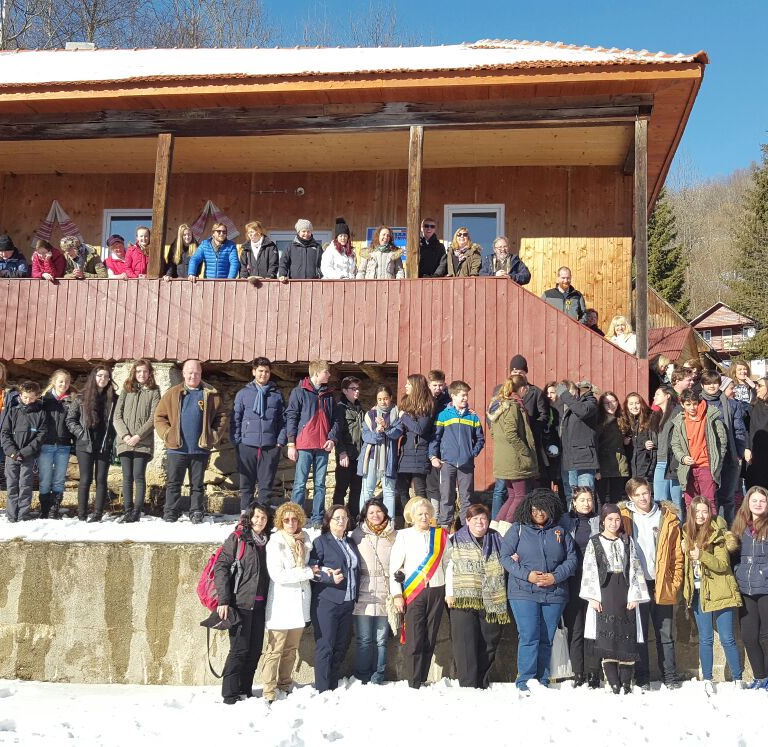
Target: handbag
{"x":560,"y":660}
{"x":394,"y":617}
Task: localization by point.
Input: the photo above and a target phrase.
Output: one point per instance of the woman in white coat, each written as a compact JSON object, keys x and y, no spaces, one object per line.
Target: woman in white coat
{"x":288,"y":601}
{"x":338,"y":260}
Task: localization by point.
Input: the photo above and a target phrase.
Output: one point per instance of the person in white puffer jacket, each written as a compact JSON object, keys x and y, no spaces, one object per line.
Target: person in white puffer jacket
{"x":338,"y":260}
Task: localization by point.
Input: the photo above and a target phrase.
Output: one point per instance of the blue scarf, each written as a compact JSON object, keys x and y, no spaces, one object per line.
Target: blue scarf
{"x":260,"y":400}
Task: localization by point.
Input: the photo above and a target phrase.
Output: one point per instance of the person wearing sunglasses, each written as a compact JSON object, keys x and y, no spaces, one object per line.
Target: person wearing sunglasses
{"x":219,"y":255}
{"x":432,"y":257}
{"x":464,"y":257}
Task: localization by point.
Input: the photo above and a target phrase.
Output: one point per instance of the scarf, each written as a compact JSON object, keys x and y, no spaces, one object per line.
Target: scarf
{"x":296,"y":544}
{"x":502,"y":264}
{"x":260,"y":400}
{"x":345,"y":251}
{"x":379,"y":529}
{"x":305,"y":242}
{"x":380,"y":450}
{"x":478,"y":576}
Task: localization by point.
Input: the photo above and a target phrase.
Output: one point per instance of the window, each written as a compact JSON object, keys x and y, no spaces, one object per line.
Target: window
{"x":707,"y":335}
{"x":124,"y":223}
{"x":283,"y":238}
{"x":485,"y":223}
{"x":727,"y":338}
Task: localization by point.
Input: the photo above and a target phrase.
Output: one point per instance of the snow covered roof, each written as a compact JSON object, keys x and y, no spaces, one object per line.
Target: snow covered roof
{"x":29,"y":68}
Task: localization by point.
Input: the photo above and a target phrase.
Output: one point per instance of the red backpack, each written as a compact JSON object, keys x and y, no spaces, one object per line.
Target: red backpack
{"x":206,"y":587}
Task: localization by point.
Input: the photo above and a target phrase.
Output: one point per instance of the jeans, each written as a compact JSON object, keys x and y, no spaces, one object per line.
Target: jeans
{"x":536,"y":626}
{"x":451,"y":478}
{"x":499,"y":497}
{"x":667,"y":490}
{"x":573,"y":478}
{"x":661,"y":617}
{"x":52,"y":467}
{"x":700,"y":482}
{"x":317,"y":460}
{"x":371,"y":634}
{"x":388,"y":485}
{"x":705,"y":622}
{"x":516,"y":492}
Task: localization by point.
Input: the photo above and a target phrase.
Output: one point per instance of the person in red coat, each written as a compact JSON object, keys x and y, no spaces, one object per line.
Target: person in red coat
{"x":48,"y":263}
{"x":137,"y":259}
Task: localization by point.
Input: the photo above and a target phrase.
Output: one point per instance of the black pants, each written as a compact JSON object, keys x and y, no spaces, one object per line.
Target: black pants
{"x":754,"y":632}
{"x":575,"y":617}
{"x":348,"y":479}
{"x":92,"y":465}
{"x":178,"y":465}
{"x":475,"y":641}
{"x":661,"y":617}
{"x":422,"y":623}
{"x":245,"y":644}
{"x":433,"y":487}
{"x":611,"y":489}
{"x":19,"y":476}
{"x":134,"y":465}
{"x":403,"y":486}
{"x":257,"y":465}
{"x":332,"y":625}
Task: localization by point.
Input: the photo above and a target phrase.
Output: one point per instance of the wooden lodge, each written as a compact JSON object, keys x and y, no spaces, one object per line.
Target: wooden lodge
{"x":563,"y":149}
{"x":724,"y":329}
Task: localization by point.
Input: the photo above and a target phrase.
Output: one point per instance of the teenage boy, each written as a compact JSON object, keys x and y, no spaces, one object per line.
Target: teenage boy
{"x":457,"y":441}
{"x":439,"y":392}
{"x":22,"y":438}
{"x":257,"y":430}
{"x":312,"y":434}
{"x":348,"y":415}
{"x":699,"y":443}
{"x":732,"y":416}
{"x":656,"y":531}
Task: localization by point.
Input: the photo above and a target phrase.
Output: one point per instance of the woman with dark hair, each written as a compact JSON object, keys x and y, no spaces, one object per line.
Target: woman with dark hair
{"x":338,"y":260}
{"x":540,"y":556}
{"x":334,"y":594}
{"x":89,"y":420}
{"x":582,"y":523}
{"x":750,"y":529}
{"x":614,"y":466}
{"x":373,"y":537}
{"x":635,"y":425}
{"x":514,"y":450}
{"x":709,"y":587}
{"x":48,"y":262}
{"x":476,"y":597}
{"x":57,"y":444}
{"x":415,"y":426}
{"x":382,"y":260}
{"x":614,"y":585}
{"x":756,"y":451}
{"x":179,"y":253}
{"x":246,"y":590}
{"x":665,"y":484}
{"x":134,"y":428}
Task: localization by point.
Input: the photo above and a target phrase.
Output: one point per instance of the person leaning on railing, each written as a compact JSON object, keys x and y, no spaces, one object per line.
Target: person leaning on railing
{"x":258,"y":256}
{"x":503,"y":263}
{"x":81,"y":260}
{"x":219,"y":255}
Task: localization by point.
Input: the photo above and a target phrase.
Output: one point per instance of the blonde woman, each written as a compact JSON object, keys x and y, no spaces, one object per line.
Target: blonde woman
{"x":289,"y":598}
{"x":258,"y":255}
{"x":57,"y":444}
{"x":464,"y":257}
{"x":179,"y":252}
{"x":620,"y":334}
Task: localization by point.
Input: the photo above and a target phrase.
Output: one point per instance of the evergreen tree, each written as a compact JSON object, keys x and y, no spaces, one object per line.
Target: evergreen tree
{"x":749,"y":288}
{"x":666,"y":263}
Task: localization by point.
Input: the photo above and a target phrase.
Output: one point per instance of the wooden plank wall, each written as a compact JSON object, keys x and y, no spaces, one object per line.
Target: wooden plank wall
{"x":214,"y":320}
{"x":577,"y":216}
{"x":484,"y":322}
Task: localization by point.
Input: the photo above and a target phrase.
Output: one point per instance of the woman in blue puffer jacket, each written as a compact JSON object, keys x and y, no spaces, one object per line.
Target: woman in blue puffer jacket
{"x":750,"y":528}
{"x":540,"y":556}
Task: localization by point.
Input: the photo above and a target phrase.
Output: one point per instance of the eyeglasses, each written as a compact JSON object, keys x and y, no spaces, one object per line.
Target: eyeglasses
{"x":430,"y":225}
{"x":291,"y":520}
{"x":465,"y":235}
{"x":220,"y":230}
{"x":353,"y":388}
{"x":340,"y":519}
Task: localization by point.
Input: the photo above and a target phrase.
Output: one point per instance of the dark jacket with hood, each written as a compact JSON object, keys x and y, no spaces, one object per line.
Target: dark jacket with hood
{"x":253,"y":429}
{"x":643,"y":460}
{"x":253,"y":579}
{"x":84,"y":435}
{"x":55,"y":409}
{"x":432,"y":258}
{"x":517,"y":268}
{"x":733,"y":419}
{"x":263,"y":266}
{"x":348,"y":417}
{"x":301,"y":260}
{"x":23,"y":430}
{"x":578,"y":430}
{"x":15,"y":266}
{"x":416,"y":433}
{"x":752,"y":567}
{"x":10,"y":400}
{"x":309,"y":419}
{"x":571,"y":303}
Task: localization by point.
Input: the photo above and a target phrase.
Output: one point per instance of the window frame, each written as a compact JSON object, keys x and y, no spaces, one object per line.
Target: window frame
{"x":498,"y":207}
{"x":706,"y":335}
{"x":726,"y":339}
{"x":109,"y":214}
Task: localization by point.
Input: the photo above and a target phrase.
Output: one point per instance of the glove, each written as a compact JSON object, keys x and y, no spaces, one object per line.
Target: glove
{"x":561,"y":389}
{"x":552,"y":450}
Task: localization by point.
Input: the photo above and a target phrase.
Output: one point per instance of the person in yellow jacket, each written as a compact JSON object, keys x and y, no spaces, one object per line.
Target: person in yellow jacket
{"x":656,"y":530}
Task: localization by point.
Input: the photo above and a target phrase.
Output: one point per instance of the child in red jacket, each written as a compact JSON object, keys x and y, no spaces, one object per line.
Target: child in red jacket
{"x":48,"y":263}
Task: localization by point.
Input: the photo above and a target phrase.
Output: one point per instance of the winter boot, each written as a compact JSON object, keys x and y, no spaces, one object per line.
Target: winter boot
{"x":56,"y":499}
{"x":611,"y":669}
{"x":625,"y":676}
{"x":46,"y":501}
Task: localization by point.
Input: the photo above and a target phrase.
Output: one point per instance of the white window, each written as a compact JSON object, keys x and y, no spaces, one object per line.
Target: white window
{"x":707,"y":335}
{"x":485,"y":223}
{"x":727,"y":338}
{"x":124,"y":223}
{"x":283,"y":238}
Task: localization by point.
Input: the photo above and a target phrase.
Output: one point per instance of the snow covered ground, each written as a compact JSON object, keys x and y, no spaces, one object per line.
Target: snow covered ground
{"x":33,"y":714}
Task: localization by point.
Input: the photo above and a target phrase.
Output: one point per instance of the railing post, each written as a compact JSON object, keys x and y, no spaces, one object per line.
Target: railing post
{"x":160,"y":203}
{"x":415,"y":162}
{"x":641,"y":235}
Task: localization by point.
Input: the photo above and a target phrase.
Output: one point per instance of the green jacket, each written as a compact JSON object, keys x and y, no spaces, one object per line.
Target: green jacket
{"x":719,"y":590}
{"x":610,"y":450}
{"x":93,"y":267}
{"x":717,"y":443}
{"x":514,"y":451}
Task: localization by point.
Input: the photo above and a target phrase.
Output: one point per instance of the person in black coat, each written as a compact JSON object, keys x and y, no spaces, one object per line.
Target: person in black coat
{"x":334,"y":594}
{"x":640,"y":438}
{"x":246,"y":590}
{"x":502,"y":263}
{"x":57,"y":445}
{"x":756,"y":451}
{"x":433,"y":261}
{"x":258,"y":256}
{"x":578,"y":410}
{"x":348,"y":414}
{"x":301,"y":260}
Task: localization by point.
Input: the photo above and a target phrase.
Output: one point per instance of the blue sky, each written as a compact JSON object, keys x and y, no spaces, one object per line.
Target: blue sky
{"x":730,"y":117}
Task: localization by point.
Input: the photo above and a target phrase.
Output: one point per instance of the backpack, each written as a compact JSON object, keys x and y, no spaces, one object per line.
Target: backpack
{"x":206,"y":587}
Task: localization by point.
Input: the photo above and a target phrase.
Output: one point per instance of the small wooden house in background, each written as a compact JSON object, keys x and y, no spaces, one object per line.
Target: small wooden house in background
{"x":724,"y":329}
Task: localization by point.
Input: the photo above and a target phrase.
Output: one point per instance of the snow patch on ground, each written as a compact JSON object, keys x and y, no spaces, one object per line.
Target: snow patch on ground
{"x":34,"y":714}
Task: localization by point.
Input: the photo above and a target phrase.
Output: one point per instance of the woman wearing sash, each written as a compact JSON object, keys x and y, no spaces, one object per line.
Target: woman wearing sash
{"x":417,"y":585}
{"x":476,"y":597}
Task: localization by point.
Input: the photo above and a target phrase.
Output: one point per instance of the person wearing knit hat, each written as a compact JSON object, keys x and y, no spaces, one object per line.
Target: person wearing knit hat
{"x":338,"y":260}
{"x":301,"y":259}
{"x":518,"y":365}
{"x":116,"y":265}
{"x":13,"y":264}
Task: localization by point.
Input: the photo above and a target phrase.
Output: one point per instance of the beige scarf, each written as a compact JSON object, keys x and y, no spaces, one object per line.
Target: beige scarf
{"x":296,"y":543}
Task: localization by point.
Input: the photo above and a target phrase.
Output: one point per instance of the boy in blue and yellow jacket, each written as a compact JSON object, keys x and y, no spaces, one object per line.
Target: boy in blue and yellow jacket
{"x":457,"y":441}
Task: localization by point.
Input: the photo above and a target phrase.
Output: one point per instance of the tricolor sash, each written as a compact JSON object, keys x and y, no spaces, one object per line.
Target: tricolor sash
{"x":418,"y":580}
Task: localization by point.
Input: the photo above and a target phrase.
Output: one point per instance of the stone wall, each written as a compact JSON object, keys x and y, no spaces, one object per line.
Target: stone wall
{"x":128,"y":613}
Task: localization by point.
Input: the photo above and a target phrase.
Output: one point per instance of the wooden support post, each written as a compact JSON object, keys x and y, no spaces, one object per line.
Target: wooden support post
{"x":160,"y":203}
{"x":415,"y":162}
{"x":641,"y":235}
